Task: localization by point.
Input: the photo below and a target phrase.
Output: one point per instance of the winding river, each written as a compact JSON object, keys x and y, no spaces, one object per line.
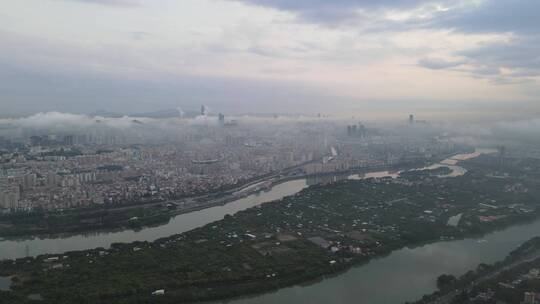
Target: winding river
{"x":406,"y":274}
{"x":403,"y":275}
{"x":16,"y":248}
{"x":181,"y":223}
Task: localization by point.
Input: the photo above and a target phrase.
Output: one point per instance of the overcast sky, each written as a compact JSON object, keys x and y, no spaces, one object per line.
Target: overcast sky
{"x":269,"y":55}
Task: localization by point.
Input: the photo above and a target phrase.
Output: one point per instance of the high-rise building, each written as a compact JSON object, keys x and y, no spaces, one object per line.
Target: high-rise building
{"x":529,"y":298}
{"x":9,"y":198}
{"x":221,"y":119}
{"x":29,"y":181}
{"x":411,"y":119}
{"x":52,"y":180}
{"x":502,"y":154}
{"x":69,"y":140}
{"x":362,"y":131}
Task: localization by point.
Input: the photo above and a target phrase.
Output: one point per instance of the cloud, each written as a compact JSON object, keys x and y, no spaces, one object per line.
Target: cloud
{"x":519,"y":58}
{"x":299,"y":55}
{"x":26,"y":90}
{"x":140,"y":129}
{"x":518,"y":130}
{"x":438,"y":63}
{"x":110,"y":2}
{"x":470,"y":16}
{"x":140,"y":35}
{"x":69,"y":121}
{"x":517,"y":16}
{"x":335,"y":11}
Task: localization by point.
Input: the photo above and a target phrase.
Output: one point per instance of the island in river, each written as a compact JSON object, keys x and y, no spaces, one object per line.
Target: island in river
{"x":322,"y":230}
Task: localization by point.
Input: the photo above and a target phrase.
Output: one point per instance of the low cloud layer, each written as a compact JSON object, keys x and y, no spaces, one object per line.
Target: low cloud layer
{"x":46,"y":122}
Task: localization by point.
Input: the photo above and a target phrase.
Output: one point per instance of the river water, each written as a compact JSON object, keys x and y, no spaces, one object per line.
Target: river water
{"x":404,"y":275}
{"x":16,"y":248}
{"x":10,"y":249}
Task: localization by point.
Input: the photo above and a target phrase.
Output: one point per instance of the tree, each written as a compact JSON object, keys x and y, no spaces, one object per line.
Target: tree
{"x":445,"y":280}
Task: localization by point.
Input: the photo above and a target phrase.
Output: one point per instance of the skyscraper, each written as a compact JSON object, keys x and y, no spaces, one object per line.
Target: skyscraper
{"x":411,"y":119}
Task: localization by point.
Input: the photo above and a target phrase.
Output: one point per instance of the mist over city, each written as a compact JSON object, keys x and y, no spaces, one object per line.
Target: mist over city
{"x":269,"y":151}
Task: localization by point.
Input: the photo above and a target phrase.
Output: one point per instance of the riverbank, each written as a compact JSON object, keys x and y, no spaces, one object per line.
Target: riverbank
{"x":503,"y":280}
{"x":151,"y":214}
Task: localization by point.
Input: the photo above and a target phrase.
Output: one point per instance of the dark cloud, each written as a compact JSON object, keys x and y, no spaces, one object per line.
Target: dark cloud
{"x":518,"y":16}
{"x":520,"y":55}
{"x":334,"y":11}
{"x":494,"y":16}
{"x":520,"y":58}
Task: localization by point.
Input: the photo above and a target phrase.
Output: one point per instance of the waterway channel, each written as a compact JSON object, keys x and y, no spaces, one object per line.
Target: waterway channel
{"x":406,"y":274}
{"x":16,"y":248}
{"x":403,"y":275}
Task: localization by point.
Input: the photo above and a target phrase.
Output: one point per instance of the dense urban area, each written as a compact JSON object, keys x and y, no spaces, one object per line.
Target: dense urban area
{"x":324,"y":229}
{"x":99,"y":177}
{"x":429,"y":185}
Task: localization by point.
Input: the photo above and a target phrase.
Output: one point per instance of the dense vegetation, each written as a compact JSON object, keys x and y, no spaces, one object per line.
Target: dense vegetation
{"x":322,"y":230}
{"x":40,"y":222}
{"x":504,"y":281}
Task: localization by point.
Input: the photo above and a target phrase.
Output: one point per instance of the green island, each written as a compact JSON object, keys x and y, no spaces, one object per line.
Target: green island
{"x":514,"y":280}
{"x":323,"y":230}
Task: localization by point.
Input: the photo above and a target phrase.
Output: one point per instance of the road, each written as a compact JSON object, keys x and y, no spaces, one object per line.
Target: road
{"x":445,"y":299}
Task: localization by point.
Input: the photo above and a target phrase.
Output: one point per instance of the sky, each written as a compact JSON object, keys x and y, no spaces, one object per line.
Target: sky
{"x":271,"y":56}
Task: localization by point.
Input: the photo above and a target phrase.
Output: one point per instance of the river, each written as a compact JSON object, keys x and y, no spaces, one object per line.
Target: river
{"x":406,"y":274}
{"x":16,"y":248}
{"x":403,"y":275}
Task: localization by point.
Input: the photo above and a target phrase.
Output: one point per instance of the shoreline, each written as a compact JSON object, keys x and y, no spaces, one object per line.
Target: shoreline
{"x":228,"y":198}
{"x":223,"y":290}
